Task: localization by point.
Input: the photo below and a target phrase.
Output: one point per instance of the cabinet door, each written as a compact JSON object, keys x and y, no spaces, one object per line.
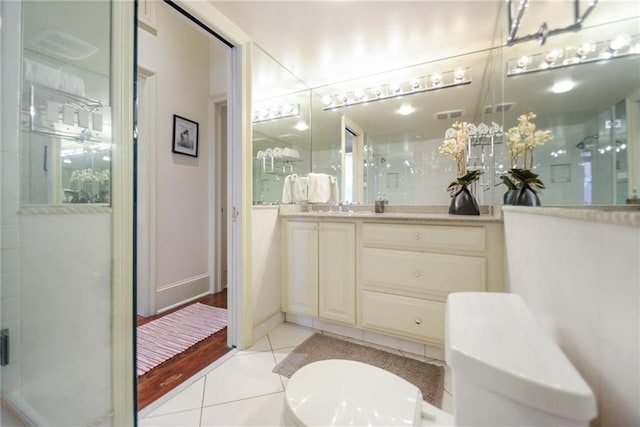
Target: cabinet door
{"x":302,"y":271}
{"x":337,"y":272}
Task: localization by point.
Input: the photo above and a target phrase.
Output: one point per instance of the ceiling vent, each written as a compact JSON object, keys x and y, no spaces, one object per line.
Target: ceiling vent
{"x":448,"y":115}
{"x":505,"y":107}
{"x":61,"y":44}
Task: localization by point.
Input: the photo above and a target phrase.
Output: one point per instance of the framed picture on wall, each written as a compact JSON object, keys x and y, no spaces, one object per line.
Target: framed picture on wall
{"x":185,"y":136}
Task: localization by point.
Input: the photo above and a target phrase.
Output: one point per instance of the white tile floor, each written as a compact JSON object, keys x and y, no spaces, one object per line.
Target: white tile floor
{"x":242,"y":390}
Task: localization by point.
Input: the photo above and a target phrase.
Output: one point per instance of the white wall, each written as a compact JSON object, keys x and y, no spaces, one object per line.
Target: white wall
{"x":265,"y":263}
{"x":582,"y":280}
{"x":180,"y":57}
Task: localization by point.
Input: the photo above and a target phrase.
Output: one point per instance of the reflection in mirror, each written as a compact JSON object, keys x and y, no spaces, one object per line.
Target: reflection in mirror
{"x":403,"y":115}
{"x":585,"y":107}
{"x":587,"y":161}
{"x":281,"y":133}
{"x":402,"y":130}
{"x":351,"y":179}
{"x":66,"y":120}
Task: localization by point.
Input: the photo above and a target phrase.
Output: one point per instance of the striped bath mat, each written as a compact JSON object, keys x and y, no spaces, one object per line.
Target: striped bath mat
{"x":163,"y":338}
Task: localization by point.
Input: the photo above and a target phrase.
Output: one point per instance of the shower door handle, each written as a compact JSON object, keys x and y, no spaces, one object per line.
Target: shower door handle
{"x":4,"y":347}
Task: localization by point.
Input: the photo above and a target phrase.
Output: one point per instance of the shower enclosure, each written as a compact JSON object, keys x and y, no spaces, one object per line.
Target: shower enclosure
{"x":57,"y":218}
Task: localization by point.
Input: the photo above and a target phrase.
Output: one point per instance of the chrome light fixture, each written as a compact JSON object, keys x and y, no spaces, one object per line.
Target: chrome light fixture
{"x":588,"y":52}
{"x":275,"y":112}
{"x":457,"y":77}
{"x":544,"y":32}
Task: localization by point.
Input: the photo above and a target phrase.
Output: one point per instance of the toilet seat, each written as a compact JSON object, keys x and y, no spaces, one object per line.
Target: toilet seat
{"x":344,"y":392}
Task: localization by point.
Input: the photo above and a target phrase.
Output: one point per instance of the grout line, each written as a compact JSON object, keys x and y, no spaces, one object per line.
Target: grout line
{"x":273,"y":354}
{"x":244,"y":398}
{"x":204,"y":390}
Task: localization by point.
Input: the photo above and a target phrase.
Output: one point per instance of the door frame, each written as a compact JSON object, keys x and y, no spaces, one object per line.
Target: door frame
{"x":240,"y":327}
{"x":146,"y":193}
{"x":219,"y":203}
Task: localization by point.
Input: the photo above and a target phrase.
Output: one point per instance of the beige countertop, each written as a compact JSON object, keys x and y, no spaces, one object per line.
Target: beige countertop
{"x":396,"y":213}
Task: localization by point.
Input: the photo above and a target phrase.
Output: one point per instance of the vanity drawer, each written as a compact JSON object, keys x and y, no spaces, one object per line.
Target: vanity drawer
{"x":422,"y":274}
{"x":409,"y":317}
{"x":425,"y":237}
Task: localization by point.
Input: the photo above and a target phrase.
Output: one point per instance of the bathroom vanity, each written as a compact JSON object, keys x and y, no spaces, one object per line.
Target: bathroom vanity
{"x":390,"y":273}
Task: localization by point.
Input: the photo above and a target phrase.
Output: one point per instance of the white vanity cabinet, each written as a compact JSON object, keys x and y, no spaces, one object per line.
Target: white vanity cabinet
{"x":300,"y":290}
{"x":409,"y":269}
{"x":319,"y":270}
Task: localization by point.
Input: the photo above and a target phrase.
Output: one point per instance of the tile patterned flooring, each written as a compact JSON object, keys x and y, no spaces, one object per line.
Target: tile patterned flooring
{"x":241,"y":390}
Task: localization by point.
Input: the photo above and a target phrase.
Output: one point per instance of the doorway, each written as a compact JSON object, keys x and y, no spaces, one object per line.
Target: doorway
{"x":180,"y":199}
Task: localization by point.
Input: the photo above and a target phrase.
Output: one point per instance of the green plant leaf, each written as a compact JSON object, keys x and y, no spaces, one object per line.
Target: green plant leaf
{"x":508,"y":182}
{"x":526,"y":177}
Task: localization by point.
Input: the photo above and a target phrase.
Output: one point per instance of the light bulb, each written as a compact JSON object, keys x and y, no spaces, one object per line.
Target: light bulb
{"x":584,"y":50}
{"x":523,"y":61}
{"x":620,"y":42}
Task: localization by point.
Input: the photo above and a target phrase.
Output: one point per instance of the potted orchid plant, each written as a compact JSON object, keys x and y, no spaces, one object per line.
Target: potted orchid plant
{"x":522,"y":141}
{"x":455,"y":146}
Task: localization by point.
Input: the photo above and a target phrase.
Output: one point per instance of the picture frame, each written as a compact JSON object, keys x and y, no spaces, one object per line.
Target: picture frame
{"x":185,"y":136}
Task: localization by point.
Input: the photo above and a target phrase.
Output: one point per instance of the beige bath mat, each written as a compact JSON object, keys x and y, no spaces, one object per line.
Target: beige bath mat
{"x":427,"y":377}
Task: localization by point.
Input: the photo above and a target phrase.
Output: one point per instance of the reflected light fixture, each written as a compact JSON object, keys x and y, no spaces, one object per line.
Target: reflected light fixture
{"x":588,"y":52}
{"x":460,"y":76}
{"x":301,"y":125}
{"x":405,"y":110}
{"x":563,"y":86}
{"x":275,"y":112}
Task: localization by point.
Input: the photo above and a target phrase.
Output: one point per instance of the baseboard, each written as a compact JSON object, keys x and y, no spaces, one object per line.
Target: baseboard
{"x":175,"y":294}
{"x":267,"y":326}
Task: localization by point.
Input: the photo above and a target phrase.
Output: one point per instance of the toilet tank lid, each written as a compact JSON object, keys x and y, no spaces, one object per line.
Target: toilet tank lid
{"x":494,"y":340}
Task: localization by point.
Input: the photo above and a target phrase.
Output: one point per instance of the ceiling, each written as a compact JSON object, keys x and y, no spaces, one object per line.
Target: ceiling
{"x":323,"y":42}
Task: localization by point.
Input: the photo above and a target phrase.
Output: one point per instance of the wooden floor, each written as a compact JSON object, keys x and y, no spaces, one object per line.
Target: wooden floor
{"x":164,"y":377}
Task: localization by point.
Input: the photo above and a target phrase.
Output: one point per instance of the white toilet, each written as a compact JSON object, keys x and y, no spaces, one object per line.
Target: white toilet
{"x":505,"y":370}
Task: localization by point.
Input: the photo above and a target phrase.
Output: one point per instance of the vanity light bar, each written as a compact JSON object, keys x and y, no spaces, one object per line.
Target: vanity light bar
{"x":275,"y":112}
{"x":589,"y":52}
{"x":395,"y":89}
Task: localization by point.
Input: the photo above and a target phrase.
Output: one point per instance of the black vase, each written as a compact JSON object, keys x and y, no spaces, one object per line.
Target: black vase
{"x":527,"y":197}
{"x":510,"y":196}
{"x":463,"y":203}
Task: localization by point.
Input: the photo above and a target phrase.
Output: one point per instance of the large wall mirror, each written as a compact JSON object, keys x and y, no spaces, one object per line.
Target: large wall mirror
{"x":381,"y":133}
{"x":66,"y":114}
{"x":402,"y":117}
{"x":281,"y":119}
{"x":579,"y":85}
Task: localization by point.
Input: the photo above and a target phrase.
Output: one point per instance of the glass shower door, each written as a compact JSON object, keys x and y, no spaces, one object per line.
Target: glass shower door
{"x":56,"y":278}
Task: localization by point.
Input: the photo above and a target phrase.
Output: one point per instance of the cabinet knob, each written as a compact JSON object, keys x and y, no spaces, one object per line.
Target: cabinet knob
{"x":418,"y":236}
{"x":418,"y":273}
{"x":418,"y":321}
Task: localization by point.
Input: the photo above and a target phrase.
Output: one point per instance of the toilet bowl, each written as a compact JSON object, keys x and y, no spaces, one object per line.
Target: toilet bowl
{"x":345,"y":392}
{"x":505,"y":371}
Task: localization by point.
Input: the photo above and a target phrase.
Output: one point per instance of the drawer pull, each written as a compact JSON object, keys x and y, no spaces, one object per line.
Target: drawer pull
{"x":418,"y":236}
{"x":418,"y":273}
{"x":418,"y":321}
